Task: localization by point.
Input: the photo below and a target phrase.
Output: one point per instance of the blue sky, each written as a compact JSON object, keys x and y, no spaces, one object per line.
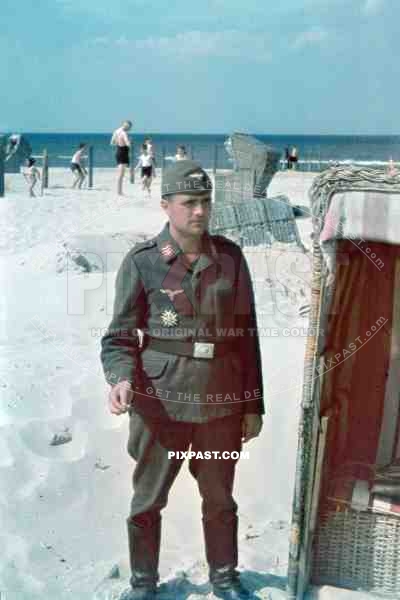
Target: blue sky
{"x":295,"y":66}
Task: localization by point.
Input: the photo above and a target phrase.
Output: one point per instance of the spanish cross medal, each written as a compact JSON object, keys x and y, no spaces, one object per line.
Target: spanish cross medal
{"x":169,"y":318}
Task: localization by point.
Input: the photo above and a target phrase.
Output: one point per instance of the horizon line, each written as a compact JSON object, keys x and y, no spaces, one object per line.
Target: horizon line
{"x":174,"y":133}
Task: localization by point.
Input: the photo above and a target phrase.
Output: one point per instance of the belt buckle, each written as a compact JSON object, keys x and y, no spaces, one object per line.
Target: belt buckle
{"x":203,"y":350}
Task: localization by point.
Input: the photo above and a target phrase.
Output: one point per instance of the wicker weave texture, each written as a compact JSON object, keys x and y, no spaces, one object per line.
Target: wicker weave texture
{"x":358,"y":550}
{"x":234,"y":187}
{"x":258,"y":221}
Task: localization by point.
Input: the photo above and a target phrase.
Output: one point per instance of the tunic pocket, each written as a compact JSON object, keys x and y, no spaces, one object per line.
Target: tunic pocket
{"x":154,"y":363}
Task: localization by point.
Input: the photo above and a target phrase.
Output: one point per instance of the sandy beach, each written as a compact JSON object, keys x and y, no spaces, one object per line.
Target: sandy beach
{"x":63,"y":506}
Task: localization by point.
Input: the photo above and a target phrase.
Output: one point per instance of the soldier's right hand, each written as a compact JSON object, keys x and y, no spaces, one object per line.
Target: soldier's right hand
{"x":120,"y":397}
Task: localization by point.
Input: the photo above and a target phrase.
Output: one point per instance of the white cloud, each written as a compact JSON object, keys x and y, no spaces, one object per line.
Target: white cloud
{"x":199,"y":44}
{"x":372,"y":7}
{"x":311,"y":37}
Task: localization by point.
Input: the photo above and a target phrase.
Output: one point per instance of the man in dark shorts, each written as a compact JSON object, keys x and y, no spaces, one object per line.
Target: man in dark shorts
{"x":182,"y":357}
{"x":77,"y":168}
{"x":122,"y":155}
{"x":120,"y":139}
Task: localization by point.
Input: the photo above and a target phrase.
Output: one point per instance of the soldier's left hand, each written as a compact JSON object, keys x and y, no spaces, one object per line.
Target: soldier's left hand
{"x":251,"y":426}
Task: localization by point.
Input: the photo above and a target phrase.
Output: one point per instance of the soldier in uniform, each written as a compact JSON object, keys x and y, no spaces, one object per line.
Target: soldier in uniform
{"x":182,"y":357}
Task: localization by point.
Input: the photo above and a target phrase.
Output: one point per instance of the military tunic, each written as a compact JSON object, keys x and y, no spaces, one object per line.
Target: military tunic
{"x":211,"y":300}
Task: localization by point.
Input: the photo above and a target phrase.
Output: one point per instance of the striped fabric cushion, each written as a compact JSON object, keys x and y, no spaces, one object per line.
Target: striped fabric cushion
{"x":372,"y":216}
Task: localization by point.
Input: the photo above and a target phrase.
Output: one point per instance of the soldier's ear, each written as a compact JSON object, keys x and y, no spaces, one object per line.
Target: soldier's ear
{"x":164,"y":204}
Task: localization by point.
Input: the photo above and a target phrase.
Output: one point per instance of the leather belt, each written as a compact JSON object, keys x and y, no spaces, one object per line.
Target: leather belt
{"x":206,"y":350}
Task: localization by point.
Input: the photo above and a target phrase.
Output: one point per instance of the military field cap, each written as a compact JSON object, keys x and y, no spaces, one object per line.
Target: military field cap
{"x":185,"y":177}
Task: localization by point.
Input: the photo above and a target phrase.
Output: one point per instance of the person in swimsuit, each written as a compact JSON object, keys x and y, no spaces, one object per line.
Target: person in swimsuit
{"x":294,"y":157}
{"x":77,"y":168}
{"x":287,"y":158}
{"x":148,"y":171}
{"x":32,"y":175}
{"x":120,"y":139}
{"x":148,"y":142}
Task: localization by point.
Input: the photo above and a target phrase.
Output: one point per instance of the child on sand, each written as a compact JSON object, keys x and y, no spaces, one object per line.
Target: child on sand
{"x":147,"y":164}
{"x":148,"y":142}
{"x":77,"y":168}
{"x":32,"y":175}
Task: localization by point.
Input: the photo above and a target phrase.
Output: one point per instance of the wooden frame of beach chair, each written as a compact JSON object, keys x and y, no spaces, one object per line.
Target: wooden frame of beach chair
{"x":356,"y":275}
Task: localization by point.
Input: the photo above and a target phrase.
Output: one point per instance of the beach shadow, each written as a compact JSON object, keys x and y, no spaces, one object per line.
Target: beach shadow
{"x":97,"y":189}
{"x":85,"y":188}
{"x":181,"y":588}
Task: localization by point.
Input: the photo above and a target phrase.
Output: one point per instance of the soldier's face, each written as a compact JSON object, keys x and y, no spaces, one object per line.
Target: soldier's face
{"x":188,"y":214}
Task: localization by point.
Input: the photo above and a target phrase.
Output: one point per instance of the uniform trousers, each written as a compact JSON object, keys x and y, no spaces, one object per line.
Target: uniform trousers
{"x":149,"y":444}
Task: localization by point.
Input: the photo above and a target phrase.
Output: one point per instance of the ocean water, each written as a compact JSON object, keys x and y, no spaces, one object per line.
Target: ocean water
{"x":207,"y":148}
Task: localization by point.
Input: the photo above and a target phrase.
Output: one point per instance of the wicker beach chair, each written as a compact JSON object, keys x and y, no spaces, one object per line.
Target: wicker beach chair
{"x":254,"y":165}
{"x":242,"y":210}
{"x":349,"y":431}
{"x":263,"y":221}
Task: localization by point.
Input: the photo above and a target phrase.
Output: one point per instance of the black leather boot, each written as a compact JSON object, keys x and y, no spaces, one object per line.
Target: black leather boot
{"x":144,"y":536}
{"x":220,"y":537}
{"x":227,"y":585}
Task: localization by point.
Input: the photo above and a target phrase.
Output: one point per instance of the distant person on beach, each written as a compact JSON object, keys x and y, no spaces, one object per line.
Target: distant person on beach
{"x":147,"y":164}
{"x":12,"y":145}
{"x":391,"y":170}
{"x":120,"y":139}
{"x":293,"y":157}
{"x":148,"y":142}
{"x":287,"y":158}
{"x":77,"y":167}
{"x":181,"y":153}
{"x":32,"y":175}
